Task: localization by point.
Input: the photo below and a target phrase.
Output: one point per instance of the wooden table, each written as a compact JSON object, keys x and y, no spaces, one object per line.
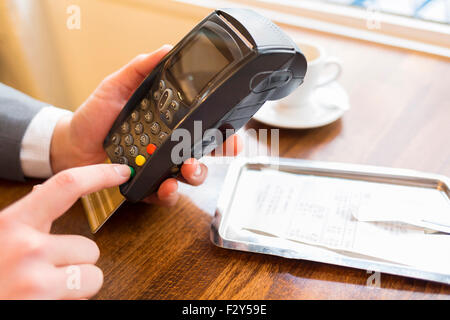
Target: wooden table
{"x":400,"y":117}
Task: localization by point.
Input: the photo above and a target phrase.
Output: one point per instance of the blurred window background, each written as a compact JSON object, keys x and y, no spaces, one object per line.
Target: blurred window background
{"x":59,"y":50}
{"x":430,"y":10}
{"x":419,"y":25}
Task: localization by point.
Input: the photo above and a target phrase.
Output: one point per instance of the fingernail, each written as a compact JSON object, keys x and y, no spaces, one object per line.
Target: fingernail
{"x":173,"y":193}
{"x":198,"y":171}
{"x":166,"y":46}
{"x":36,"y":187}
{"x":123,"y":170}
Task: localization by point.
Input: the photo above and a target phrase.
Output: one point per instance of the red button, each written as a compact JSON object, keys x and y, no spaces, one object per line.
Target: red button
{"x":151,"y":148}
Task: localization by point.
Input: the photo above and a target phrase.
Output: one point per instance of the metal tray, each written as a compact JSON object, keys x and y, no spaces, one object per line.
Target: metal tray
{"x":224,"y":234}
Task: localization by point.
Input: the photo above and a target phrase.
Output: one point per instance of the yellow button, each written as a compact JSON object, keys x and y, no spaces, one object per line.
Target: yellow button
{"x":140,"y":160}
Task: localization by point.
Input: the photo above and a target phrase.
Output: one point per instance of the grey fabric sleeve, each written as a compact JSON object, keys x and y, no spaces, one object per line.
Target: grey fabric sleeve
{"x":16,"y":112}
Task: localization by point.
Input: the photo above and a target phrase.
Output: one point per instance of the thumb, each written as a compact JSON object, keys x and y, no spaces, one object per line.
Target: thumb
{"x":91,"y":122}
{"x":132,"y":74}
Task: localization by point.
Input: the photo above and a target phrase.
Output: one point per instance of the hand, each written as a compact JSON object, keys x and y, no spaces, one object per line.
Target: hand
{"x":78,"y":139}
{"x":37,"y":265}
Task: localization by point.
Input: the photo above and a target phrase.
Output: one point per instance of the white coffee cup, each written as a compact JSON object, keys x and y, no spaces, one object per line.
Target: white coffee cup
{"x":316,"y":74}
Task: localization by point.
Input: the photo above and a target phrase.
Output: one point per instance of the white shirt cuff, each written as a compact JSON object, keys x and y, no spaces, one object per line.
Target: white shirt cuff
{"x":35,"y":148}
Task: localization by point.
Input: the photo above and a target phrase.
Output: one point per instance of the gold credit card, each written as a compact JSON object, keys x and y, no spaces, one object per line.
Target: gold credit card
{"x":101,"y":205}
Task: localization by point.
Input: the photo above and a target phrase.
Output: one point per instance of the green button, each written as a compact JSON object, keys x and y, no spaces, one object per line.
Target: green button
{"x":133,"y":172}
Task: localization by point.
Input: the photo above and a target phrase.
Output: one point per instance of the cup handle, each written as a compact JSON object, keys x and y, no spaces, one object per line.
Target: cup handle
{"x":338,"y":70}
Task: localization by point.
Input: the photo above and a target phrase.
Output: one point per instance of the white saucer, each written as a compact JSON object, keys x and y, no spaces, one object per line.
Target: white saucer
{"x":327,"y":104}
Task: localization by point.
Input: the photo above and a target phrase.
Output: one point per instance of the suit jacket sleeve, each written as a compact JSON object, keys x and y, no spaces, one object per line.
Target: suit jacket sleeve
{"x":16,"y":112}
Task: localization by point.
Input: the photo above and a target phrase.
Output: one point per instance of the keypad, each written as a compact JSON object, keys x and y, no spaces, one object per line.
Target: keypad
{"x":145,"y":104}
{"x":133,"y":172}
{"x":140,"y":160}
{"x":118,"y":151}
{"x":174,"y":105}
{"x":128,"y":139}
{"x":144,"y":139}
{"x":115,"y":139}
{"x":155,"y":128}
{"x":125,"y":127}
{"x":135,"y":116}
{"x":148,"y":116}
{"x":162,"y":85}
{"x":151,"y":148}
{"x":162,"y":136}
{"x":123,"y":160}
{"x":165,"y":100}
{"x":168,"y":116}
{"x":140,"y":135}
{"x":138,"y":128}
{"x":133,"y":151}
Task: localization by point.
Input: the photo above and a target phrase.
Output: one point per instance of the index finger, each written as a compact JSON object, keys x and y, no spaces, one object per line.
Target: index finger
{"x":46,"y":203}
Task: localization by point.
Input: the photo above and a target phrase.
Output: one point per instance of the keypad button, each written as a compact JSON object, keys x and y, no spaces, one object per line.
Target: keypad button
{"x":133,"y":172}
{"x":145,"y":104}
{"x":122,"y":160}
{"x":144,"y":139}
{"x":168,"y":116}
{"x":125,"y":127}
{"x":140,"y":160}
{"x":134,"y":151}
{"x":148,"y":116}
{"x":155,"y":128}
{"x":128,"y":139}
{"x":175,"y":105}
{"x":118,"y":151}
{"x":156,"y":95}
{"x":165,"y":99}
{"x":162,"y":136}
{"x":115,"y":139}
{"x":138,"y":128}
{"x":162,"y":85}
{"x":135,"y":116}
{"x":151,"y":148}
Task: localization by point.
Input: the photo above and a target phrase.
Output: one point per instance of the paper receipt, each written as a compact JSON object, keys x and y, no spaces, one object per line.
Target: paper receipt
{"x":326,"y":211}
